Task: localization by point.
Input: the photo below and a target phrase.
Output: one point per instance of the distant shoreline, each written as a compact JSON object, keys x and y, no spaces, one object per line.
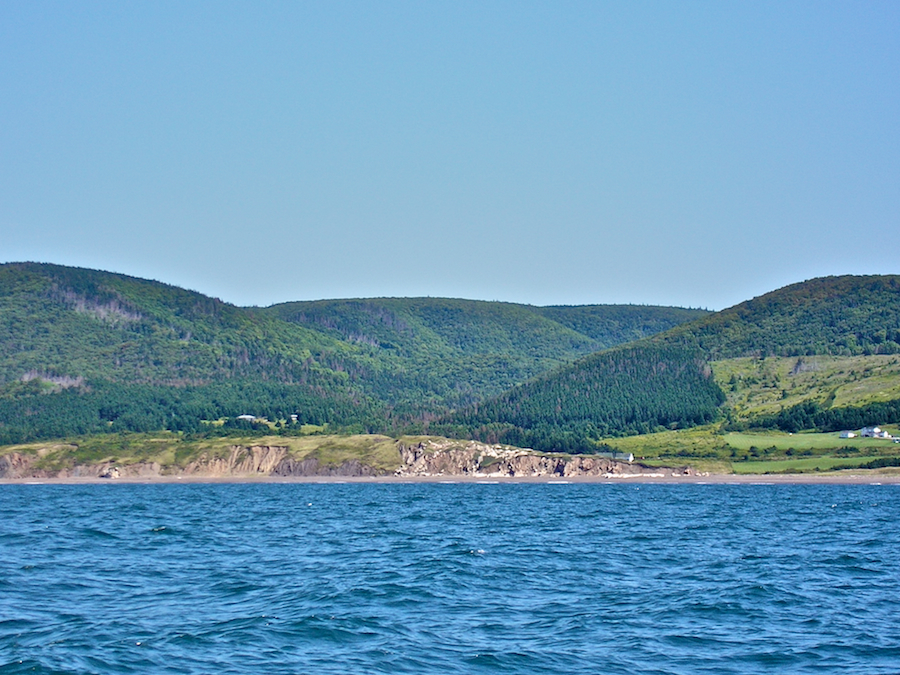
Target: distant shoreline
{"x":854,"y":478}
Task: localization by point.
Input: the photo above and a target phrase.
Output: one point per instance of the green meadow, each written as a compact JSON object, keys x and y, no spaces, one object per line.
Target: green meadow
{"x":709,"y":449}
{"x":800,"y":465}
{"x":755,"y":386}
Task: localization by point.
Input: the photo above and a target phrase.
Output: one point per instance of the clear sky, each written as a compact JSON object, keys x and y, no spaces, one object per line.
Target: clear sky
{"x":687,"y":153}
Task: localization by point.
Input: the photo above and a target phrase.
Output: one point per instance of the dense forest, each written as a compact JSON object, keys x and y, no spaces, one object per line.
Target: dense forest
{"x":110,"y":407}
{"x":627,"y":390}
{"x":83,"y":351}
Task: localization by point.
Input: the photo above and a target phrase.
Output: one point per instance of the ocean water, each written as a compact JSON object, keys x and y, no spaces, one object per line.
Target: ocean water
{"x":449,"y":578}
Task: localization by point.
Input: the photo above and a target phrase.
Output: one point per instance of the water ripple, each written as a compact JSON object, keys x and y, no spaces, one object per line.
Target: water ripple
{"x":449,"y":578}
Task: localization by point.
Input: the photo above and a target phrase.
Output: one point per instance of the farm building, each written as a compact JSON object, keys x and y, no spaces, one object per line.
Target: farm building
{"x":874,"y":432}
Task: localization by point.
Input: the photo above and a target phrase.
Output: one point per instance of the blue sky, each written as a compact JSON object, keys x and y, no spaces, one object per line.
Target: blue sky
{"x":544,"y":152}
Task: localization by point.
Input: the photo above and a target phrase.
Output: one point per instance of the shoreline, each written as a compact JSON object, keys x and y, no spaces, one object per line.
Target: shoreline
{"x":854,"y":478}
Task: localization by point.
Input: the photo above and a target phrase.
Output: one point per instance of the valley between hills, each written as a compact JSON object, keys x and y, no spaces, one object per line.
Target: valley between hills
{"x":108,"y":376}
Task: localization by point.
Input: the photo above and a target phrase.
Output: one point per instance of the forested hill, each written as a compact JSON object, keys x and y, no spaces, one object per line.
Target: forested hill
{"x":84,"y":350}
{"x":845,"y":315}
{"x":429,"y":328}
{"x":78,"y":323}
{"x":625,"y":390}
{"x":665,"y":381}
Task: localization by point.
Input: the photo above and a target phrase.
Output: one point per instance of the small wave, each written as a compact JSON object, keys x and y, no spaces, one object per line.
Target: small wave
{"x":94,"y":533}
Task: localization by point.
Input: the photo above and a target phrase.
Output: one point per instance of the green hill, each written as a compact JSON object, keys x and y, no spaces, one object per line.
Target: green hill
{"x":841,"y":316}
{"x":465,"y":350}
{"x":625,"y":390}
{"x":83,"y":351}
{"x":666,"y":381}
{"x":73,"y":322}
{"x":764,"y":386}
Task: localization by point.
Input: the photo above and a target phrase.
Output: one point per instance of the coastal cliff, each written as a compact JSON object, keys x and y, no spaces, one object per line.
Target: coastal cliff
{"x":240,"y":462}
{"x":447,"y":458}
{"x":351,"y":457}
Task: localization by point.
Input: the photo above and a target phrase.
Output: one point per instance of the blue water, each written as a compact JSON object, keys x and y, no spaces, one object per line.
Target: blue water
{"x":434,"y":578}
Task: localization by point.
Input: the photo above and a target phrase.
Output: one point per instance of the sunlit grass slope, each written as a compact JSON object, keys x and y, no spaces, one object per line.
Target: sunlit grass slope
{"x":755,"y":386}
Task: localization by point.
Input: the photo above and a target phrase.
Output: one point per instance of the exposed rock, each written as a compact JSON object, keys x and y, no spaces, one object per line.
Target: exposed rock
{"x":449,"y":458}
{"x":15,"y":465}
{"x":311,"y":467}
{"x":266,"y":460}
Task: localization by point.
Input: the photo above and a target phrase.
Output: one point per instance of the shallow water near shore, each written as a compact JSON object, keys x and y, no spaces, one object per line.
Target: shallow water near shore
{"x":449,"y":578}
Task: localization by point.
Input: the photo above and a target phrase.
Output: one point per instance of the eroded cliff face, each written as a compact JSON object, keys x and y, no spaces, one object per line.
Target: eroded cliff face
{"x":240,"y":461}
{"x":15,"y":465}
{"x":448,"y":458}
{"x":431,"y":457}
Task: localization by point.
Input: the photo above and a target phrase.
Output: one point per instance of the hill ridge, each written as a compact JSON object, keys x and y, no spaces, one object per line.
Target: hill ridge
{"x":183,"y":354}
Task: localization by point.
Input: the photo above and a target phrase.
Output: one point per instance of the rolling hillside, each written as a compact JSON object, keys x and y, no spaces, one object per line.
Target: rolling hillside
{"x":84,"y":351}
{"x":841,"y":316}
{"x":761,"y":352}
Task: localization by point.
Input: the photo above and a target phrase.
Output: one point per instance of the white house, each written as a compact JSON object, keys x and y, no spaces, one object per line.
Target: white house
{"x":874,"y":432}
{"x":848,"y":434}
{"x":249,"y":418}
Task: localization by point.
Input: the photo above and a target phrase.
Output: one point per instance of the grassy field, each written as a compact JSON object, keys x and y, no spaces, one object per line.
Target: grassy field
{"x":800,"y":442}
{"x":800,"y":465}
{"x":763,"y":386}
{"x":707,"y":449}
{"x":698,"y":442}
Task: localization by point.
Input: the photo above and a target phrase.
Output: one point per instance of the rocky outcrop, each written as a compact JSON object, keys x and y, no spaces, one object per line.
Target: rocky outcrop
{"x":448,"y":458}
{"x":430,"y":458}
{"x":312,"y":467}
{"x":15,"y":465}
{"x":268,"y":460}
